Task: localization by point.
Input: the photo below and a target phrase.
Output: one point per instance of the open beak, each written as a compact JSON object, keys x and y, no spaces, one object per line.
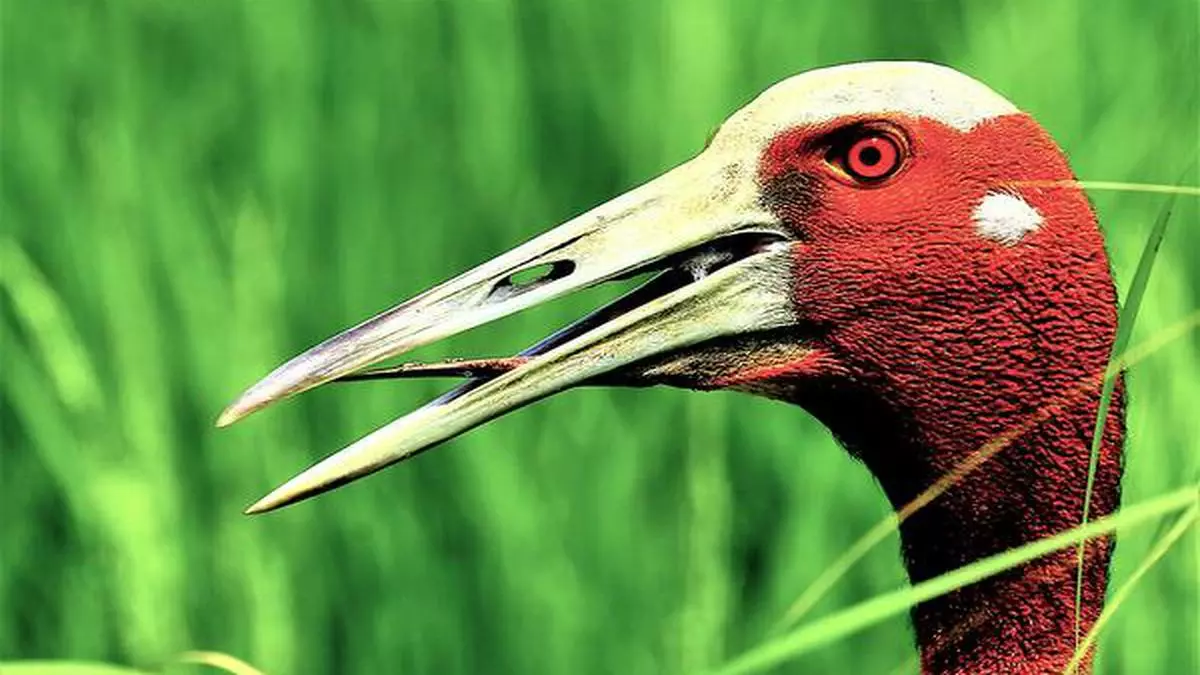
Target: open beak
{"x":723,"y":264}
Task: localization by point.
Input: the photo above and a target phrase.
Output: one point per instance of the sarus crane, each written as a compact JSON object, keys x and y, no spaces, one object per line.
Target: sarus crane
{"x":873,"y":242}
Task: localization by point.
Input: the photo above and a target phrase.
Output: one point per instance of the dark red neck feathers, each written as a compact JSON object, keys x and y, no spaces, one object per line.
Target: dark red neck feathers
{"x":938,"y":340}
{"x":1023,"y":620}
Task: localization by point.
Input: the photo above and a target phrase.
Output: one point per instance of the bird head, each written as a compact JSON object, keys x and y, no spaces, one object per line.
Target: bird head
{"x":874,"y":228}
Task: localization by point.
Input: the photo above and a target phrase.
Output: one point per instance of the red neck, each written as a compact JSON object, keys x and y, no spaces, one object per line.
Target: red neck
{"x":1032,"y":488}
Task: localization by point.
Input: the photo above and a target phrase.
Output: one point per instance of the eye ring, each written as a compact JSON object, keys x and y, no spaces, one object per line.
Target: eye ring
{"x":871,"y":157}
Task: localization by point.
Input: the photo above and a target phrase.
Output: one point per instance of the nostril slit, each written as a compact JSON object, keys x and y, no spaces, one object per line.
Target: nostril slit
{"x":532,"y":277}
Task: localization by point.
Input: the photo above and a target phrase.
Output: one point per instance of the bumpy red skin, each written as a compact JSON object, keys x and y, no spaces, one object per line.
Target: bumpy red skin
{"x":934,"y":340}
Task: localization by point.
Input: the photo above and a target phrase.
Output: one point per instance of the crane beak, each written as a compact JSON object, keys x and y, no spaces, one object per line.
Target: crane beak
{"x":723,"y":264}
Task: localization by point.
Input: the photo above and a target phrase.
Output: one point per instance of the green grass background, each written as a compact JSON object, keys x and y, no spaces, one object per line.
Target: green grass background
{"x":194,"y":191}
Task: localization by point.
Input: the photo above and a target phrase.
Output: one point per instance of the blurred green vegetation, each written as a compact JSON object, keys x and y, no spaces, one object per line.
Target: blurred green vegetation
{"x":195,"y":191}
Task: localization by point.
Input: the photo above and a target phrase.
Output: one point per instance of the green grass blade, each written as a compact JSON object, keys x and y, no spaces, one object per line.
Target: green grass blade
{"x":1125,"y":323}
{"x":1177,"y":530}
{"x":1114,"y":186}
{"x":210,"y":660}
{"x":1150,"y":188}
{"x":64,"y":668}
{"x":881,"y":607}
{"x":44,"y":315}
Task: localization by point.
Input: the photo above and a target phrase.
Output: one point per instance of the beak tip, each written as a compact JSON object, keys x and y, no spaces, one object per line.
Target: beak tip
{"x":281,"y":383}
{"x":309,"y":483}
{"x":276,"y":499}
{"x":246,"y":404}
{"x":259,"y":507}
{"x":228,"y":416}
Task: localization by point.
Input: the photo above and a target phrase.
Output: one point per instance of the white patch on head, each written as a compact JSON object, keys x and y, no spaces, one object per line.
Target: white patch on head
{"x":913,"y":88}
{"x":1005,"y":218}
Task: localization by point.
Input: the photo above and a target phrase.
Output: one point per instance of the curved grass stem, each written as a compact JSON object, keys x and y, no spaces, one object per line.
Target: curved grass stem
{"x":879,"y":608}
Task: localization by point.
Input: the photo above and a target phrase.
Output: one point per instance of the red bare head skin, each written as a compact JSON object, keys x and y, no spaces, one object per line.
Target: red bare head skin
{"x":929,"y":339}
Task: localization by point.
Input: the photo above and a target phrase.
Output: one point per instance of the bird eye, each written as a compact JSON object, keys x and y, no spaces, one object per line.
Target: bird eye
{"x":870,"y":158}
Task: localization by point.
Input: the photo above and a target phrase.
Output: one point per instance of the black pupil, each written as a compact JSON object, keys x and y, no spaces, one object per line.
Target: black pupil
{"x":870,"y":155}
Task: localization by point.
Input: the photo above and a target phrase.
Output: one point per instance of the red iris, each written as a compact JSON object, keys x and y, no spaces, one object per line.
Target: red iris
{"x":873,"y":157}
